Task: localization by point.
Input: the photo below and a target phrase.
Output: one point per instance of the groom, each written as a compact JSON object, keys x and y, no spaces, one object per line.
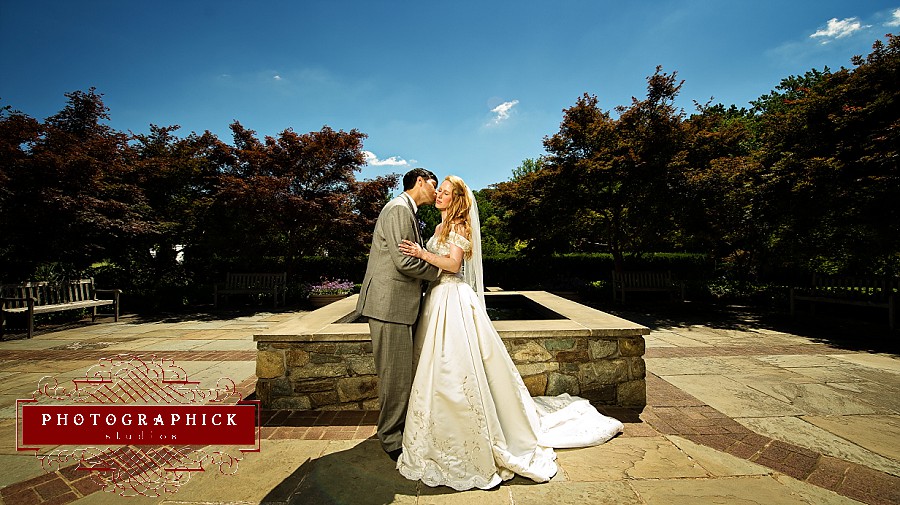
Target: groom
{"x":390,"y":296}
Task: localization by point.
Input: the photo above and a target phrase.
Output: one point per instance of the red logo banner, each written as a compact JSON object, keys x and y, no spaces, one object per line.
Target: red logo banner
{"x":139,"y":424}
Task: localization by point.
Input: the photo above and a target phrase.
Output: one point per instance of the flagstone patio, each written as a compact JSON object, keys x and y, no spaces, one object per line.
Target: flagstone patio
{"x":741,"y":408}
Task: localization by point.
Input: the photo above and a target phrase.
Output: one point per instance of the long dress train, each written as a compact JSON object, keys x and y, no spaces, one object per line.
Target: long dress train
{"x":471,"y":421}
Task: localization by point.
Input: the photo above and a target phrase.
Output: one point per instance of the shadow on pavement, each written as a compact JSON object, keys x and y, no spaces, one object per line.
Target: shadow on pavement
{"x":863,"y":332}
{"x":362,"y":474}
{"x":208,"y":314}
{"x":17,"y":331}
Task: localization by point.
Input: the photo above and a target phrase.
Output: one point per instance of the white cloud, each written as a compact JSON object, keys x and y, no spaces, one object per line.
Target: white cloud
{"x":277,"y":77}
{"x":502,"y":111}
{"x":895,"y":18}
{"x":838,"y":29}
{"x":372,"y":159}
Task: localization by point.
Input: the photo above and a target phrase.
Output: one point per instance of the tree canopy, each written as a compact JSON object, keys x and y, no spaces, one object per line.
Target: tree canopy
{"x":807,"y":179}
{"x":76,"y":193}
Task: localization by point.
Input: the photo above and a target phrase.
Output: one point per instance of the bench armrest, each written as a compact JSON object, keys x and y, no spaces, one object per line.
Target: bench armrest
{"x":115,"y":292}
{"x":31,"y":301}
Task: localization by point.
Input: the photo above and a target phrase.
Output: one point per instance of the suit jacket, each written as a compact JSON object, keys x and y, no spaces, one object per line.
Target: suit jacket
{"x":392,"y":287}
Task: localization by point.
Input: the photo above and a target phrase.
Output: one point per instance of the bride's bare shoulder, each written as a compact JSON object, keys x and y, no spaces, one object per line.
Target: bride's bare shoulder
{"x":461,"y":229}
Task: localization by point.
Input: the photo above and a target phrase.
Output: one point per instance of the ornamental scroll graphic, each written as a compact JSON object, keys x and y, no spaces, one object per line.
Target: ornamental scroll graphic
{"x":129,"y":466}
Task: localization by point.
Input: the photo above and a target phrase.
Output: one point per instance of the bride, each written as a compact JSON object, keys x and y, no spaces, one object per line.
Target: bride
{"x":470,"y":421}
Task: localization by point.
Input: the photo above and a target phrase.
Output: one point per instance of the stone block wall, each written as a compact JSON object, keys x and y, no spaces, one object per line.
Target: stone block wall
{"x":317,"y":376}
{"x":340,"y":375}
{"x":604,"y":370}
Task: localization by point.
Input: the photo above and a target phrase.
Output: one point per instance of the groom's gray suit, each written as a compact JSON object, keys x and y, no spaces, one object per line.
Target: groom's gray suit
{"x":390,"y":296}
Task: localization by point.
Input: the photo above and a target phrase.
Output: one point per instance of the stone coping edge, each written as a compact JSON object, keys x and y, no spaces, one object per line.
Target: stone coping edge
{"x":326,"y":323}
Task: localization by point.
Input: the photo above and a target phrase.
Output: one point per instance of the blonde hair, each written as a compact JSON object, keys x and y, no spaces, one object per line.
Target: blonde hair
{"x":457,"y":217}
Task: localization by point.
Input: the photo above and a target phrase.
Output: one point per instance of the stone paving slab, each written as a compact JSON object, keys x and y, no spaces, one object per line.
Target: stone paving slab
{"x":260,"y":474}
{"x":870,"y":432}
{"x":678,"y":341}
{"x":807,"y":434}
{"x":717,"y":463}
{"x":881,"y":362}
{"x":813,"y":494}
{"x":704,"y":365}
{"x":763,"y":489}
{"x":18,"y":468}
{"x":619,"y":492}
{"x":732,"y":397}
{"x":628,"y":458}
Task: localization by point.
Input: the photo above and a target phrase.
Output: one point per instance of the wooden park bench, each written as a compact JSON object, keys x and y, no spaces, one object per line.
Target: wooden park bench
{"x":648,"y":281}
{"x":861,"y":291}
{"x":253,"y":284}
{"x":32,"y":298}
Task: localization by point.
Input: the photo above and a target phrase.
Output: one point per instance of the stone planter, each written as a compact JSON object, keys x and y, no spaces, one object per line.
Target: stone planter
{"x":323,"y":300}
{"x":322,"y":360}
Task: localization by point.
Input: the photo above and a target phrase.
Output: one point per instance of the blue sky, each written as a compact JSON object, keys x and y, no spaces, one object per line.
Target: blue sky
{"x":460,"y":87}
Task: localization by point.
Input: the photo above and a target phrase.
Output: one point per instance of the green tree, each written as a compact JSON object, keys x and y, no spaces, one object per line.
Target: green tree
{"x":605,"y":183}
{"x":650,"y":138}
{"x":76,"y":193}
{"x":179,"y":177}
{"x":17,"y":133}
{"x":495,"y":238}
{"x":720,"y":181}
{"x":867,"y":125}
{"x":528,"y":166}
{"x":294,"y":195}
{"x":829,"y":151}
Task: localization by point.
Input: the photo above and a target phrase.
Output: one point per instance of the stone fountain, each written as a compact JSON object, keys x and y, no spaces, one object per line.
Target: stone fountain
{"x":322,"y":360}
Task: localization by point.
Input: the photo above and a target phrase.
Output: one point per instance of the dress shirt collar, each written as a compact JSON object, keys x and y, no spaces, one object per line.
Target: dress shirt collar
{"x":413,"y":202}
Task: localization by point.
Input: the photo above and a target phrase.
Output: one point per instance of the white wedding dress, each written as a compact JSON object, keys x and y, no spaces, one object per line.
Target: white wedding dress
{"x":471,"y":421}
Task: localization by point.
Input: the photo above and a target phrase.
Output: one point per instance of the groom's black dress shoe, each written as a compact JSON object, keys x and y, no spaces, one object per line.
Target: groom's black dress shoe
{"x":395,"y":454}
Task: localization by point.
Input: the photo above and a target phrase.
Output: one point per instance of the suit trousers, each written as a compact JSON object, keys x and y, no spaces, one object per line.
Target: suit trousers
{"x":392,"y":347}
